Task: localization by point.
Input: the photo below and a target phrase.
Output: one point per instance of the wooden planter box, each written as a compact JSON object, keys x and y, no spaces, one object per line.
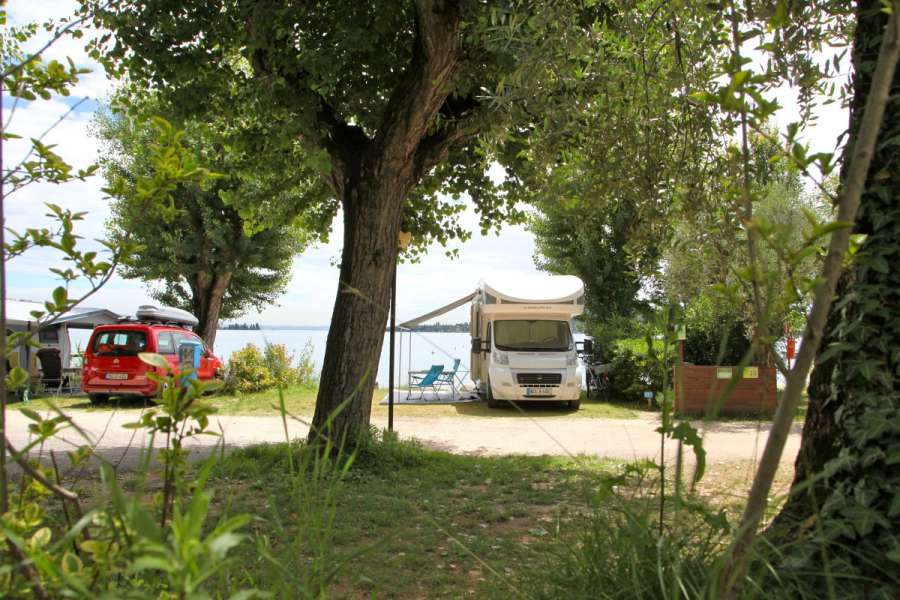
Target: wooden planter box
{"x":698,"y":388}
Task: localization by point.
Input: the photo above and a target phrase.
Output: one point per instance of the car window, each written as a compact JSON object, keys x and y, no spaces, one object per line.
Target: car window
{"x":119,"y":343}
{"x":164,"y":343}
{"x":186,"y":336}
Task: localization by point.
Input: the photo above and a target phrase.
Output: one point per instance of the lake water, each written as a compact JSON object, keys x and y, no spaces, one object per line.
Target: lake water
{"x":427,"y":348}
{"x":415,"y":351}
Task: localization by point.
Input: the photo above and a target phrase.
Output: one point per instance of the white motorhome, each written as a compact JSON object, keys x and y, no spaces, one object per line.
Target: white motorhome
{"x":522,"y":339}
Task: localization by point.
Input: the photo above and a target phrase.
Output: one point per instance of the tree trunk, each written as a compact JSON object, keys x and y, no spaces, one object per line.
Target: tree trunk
{"x":372,"y":211}
{"x":819,"y":441}
{"x":854,"y":396}
{"x":373,"y":176}
{"x":208,"y":292}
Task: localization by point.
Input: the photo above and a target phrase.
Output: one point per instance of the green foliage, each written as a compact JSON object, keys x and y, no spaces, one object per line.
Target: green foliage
{"x":202,"y":251}
{"x":853,"y":500}
{"x":305,"y":372}
{"x":716,"y":333}
{"x":620,"y":552}
{"x":247,"y":371}
{"x":631,"y":374}
{"x":606,"y":190}
{"x":305,"y":104}
{"x":251,"y":370}
{"x":125,"y":546}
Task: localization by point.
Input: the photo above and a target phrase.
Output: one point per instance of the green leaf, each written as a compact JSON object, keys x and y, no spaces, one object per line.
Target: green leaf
{"x":154,"y":360}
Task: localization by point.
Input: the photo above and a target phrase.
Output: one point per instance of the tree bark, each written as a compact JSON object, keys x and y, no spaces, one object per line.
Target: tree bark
{"x":821,"y":440}
{"x":371,"y":224}
{"x":868,"y":183}
{"x":208,"y":293}
{"x":373,"y":177}
{"x":856,"y":391}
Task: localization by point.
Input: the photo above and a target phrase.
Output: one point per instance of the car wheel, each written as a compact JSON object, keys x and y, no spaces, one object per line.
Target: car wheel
{"x":98,"y":398}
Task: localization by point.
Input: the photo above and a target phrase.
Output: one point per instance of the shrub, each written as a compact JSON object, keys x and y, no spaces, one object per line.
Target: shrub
{"x":716,"y":333}
{"x":306,"y":368}
{"x":632,"y":374}
{"x":252,"y":370}
{"x":248,"y":371}
{"x":279,"y":362}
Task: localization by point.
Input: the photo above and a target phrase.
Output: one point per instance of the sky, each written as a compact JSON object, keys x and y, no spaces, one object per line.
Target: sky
{"x":434,"y":281}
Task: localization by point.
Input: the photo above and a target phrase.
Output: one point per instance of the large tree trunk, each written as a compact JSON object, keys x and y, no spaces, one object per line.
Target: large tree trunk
{"x":852,"y":430}
{"x":208,"y":293}
{"x":373,"y":177}
{"x":372,"y":211}
{"x":820,"y":442}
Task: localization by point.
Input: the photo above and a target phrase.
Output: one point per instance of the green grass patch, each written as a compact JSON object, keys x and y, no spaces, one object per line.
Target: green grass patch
{"x":301,"y":400}
{"x":406,"y":522}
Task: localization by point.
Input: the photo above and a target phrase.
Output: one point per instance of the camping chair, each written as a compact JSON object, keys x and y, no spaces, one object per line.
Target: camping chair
{"x":449,"y":377}
{"x":51,"y":369}
{"x":424,"y":379}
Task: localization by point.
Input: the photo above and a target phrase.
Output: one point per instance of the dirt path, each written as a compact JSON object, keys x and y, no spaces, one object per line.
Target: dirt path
{"x":557,"y":435}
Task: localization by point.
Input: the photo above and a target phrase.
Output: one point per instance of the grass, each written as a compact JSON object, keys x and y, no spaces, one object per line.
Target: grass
{"x":301,"y":400}
{"x":414,"y":523}
{"x":417,"y":523}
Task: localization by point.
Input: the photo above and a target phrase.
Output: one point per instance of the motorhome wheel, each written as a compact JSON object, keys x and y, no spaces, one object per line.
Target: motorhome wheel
{"x":491,"y":401}
{"x":575,"y":404}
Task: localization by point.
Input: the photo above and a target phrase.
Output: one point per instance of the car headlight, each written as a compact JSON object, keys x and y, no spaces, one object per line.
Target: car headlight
{"x":500,"y":358}
{"x":572,"y":360}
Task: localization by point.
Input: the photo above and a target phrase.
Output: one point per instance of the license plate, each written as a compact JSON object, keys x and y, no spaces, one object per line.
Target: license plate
{"x":116,"y":375}
{"x":534,"y":391}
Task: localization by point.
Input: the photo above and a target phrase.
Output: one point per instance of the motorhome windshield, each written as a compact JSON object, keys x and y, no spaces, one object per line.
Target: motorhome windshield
{"x":532,"y":336}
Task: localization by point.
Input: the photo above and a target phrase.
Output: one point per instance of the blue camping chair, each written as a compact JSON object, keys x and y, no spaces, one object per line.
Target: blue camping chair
{"x":449,"y":377}
{"x":425,"y":379}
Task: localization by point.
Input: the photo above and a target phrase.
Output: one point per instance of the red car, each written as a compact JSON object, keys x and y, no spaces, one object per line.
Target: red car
{"x":112,"y":366}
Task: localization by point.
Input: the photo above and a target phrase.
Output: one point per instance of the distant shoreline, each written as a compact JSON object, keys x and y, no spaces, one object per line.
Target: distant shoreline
{"x":425,"y":329}
{"x":279,"y":327}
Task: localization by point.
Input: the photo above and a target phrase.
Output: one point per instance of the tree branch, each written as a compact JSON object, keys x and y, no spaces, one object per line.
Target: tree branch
{"x":59,"y":33}
{"x":424,"y":87}
{"x":344,"y":143}
{"x":36,"y":475}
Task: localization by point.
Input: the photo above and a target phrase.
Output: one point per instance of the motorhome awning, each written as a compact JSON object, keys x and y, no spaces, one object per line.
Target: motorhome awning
{"x":440,"y":311}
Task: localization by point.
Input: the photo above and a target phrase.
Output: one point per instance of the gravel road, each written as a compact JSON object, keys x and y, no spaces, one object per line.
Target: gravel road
{"x":539,"y":435}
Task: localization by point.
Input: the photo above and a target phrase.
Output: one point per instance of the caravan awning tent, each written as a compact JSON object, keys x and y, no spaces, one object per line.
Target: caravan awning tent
{"x":18,"y":315}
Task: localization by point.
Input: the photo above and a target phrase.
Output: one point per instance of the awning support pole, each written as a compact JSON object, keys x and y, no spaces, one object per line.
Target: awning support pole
{"x":393,"y":334}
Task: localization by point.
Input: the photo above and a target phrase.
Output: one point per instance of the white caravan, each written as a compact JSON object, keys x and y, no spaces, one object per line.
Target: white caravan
{"x":522,"y":343}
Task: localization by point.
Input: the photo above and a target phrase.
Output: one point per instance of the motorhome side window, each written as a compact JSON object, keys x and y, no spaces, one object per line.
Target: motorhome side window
{"x":532,"y":335}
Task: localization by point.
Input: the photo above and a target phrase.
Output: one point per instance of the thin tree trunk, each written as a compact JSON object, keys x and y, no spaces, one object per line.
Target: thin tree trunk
{"x":371,"y":224}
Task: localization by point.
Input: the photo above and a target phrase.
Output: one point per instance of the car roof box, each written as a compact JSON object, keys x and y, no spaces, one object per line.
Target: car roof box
{"x":166,"y":314}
